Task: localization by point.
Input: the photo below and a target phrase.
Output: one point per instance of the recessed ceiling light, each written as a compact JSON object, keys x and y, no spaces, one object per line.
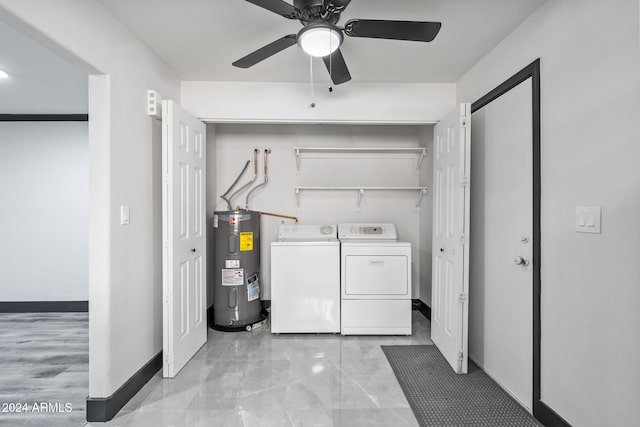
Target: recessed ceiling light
{"x":3,"y":74}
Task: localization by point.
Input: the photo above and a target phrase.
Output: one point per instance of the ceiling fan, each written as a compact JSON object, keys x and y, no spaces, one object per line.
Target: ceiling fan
{"x":321,"y":37}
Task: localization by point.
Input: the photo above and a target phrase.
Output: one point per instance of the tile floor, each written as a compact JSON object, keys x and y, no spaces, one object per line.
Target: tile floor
{"x":44,"y":357}
{"x":259,"y":379}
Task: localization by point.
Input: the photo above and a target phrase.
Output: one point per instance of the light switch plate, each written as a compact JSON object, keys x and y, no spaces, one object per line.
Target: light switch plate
{"x":124,"y":215}
{"x":588,"y":219}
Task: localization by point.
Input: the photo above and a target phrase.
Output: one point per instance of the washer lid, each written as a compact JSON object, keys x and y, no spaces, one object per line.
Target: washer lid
{"x":368,"y":231}
{"x":307,"y":233}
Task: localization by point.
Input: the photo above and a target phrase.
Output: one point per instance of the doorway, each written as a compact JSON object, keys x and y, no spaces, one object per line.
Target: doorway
{"x":44,"y":180}
{"x":505,"y":236}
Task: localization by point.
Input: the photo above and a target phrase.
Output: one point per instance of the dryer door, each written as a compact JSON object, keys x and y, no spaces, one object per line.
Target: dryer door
{"x":376,"y":275}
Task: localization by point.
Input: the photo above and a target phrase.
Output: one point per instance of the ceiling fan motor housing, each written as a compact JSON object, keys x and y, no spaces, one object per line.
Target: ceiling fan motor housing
{"x":309,"y":9}
{"x":307,"y":4}
{"x":320,"y":10}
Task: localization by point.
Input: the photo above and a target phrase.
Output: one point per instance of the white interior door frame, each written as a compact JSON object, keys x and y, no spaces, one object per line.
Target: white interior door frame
{"x":184,"y":237}
{"x":540,"y":411}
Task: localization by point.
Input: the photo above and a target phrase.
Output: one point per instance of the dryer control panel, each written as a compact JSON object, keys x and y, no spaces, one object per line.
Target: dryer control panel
{"x":306,"y":232}
{"x":367,"y":232}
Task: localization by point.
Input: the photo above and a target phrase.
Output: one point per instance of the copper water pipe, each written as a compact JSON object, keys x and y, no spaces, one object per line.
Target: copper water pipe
{"x":281,"y":216}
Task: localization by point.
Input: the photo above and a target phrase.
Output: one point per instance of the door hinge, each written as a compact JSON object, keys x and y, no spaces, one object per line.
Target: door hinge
{"x":165,"y":179}
{"x":460,"y":356}
{"x":462,"y":298}
{"x":166,"y":358}
{"x":464,"y":181}
{"x":463,"y":239}
{"x":464,"y":122}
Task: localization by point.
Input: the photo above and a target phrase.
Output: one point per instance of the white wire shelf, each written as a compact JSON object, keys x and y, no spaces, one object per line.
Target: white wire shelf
{"x":420,"y":152}
{"x":360,"y":191}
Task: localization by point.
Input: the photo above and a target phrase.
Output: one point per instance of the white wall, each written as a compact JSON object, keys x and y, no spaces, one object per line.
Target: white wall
{"x":235,"y":144}
{"x":590,"y":74}
{"x":125,"y":274}
{"x":396,"y":103}
{"x":44,"y":225}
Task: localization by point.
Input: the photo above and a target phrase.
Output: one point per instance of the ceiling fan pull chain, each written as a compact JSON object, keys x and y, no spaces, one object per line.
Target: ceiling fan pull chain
{"x":313,"y":104}
{"x":330,"y":64}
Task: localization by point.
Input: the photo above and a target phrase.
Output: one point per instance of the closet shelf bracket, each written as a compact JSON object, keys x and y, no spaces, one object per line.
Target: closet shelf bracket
{"x":421,"y":157}
{"x":421,"y":193}
{"x":359,"y":197}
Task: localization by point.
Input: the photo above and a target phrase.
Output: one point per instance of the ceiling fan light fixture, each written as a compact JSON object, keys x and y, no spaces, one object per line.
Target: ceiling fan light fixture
{"x":320,"y":40}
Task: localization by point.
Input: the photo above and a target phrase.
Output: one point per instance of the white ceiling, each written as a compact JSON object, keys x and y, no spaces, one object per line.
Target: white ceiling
{"x":40,"y":82}
{"x":199,"y":39}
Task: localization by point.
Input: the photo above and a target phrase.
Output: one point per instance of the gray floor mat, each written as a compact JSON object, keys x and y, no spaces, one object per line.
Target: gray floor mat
{"x":439,"y":397}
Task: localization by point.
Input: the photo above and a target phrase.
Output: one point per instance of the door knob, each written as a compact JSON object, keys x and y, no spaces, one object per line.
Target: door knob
{"x":441,"y":249}
{"x":193,"y":250}
{"x":520,"y":261}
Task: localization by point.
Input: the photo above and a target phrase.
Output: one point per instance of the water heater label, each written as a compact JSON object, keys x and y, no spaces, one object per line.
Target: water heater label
{"x":246,"y":241}
{"x":253,"y":288}
{"x":232,"y":277}
{"x":231,"y":263}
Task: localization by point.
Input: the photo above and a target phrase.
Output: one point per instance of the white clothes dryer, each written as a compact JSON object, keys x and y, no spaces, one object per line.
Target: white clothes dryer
{"x":375,"y":280}
{"x":305,"y":280}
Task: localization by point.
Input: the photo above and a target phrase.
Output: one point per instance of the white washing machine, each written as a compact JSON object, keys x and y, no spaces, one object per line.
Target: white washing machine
{"x":375,"y":280}
{"x":305,"y":279}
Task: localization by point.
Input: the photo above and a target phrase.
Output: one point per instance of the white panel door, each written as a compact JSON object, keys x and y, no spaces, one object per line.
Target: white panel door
{"x":501,"y":300}
{"x":183,"y":232}
{"x":451,"y":200}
